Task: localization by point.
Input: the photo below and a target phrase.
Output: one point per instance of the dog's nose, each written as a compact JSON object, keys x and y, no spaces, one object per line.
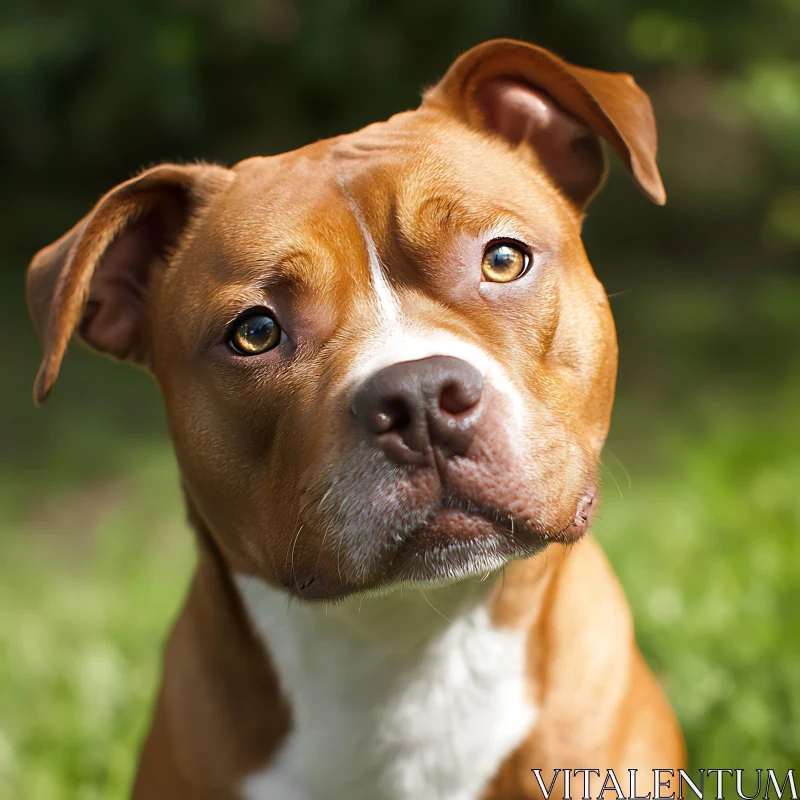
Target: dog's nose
{"x":412,"y":407}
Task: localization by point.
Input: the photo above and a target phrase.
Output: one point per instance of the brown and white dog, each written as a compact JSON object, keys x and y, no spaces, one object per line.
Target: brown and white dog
{"x":388,"y":371}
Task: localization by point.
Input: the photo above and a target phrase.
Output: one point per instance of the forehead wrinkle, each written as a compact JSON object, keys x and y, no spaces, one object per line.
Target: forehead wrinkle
{"x":378,"y":139}
{"x":295,"y":244}
{"x":447,"y":211}
{"x":485,"y":180}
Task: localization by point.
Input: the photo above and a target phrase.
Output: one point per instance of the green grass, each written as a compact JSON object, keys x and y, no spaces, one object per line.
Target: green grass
{"x":705,"y":536}
{"x":708,"y":549}
{"x":82,"y":613}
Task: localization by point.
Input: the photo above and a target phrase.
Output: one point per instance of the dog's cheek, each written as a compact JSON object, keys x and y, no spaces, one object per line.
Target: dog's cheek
{"x":582,"y":361}
{"x":597,"y":366}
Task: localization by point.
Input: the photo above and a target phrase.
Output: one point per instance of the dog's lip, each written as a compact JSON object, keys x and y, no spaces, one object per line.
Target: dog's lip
{"x":456,"y":524}
{"x":456,"y":538}
{"x":584,"y":514}
{"x":459,"y":529}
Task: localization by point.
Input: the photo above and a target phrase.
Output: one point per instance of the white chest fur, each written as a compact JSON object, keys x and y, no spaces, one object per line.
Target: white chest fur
{"x":390,"y":700}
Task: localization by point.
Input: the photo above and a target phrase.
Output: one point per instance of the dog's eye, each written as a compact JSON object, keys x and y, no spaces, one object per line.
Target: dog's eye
{"x":253,"y":333}
{"x":504,"y":262}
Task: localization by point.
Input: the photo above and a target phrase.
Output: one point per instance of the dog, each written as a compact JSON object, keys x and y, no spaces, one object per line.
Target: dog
{"x":388,"y":371}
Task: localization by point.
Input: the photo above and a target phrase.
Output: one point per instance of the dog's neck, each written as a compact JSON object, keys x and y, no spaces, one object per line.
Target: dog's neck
{"x":403,"y":619}
{"x":399,"y":627}
{"x":392,"y":691}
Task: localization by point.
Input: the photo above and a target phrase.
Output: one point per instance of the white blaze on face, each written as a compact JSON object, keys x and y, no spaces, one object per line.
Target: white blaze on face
{"x":407,"y":341}
{"x":387,"y":303}
{"x":388,"y":306}
{"x":398,"y":338}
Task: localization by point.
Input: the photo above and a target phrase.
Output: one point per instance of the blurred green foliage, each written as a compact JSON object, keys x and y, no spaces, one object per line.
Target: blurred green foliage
{"x":92,"y":90}
{"x":702,"y":467}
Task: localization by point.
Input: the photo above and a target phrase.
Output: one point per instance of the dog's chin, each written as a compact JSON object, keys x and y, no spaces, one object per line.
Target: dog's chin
{"x":450,"y":546}
{"x":453,"y":543}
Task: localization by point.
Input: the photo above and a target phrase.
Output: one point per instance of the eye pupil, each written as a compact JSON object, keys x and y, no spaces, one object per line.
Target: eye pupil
{"x":257,"y":328}
{"x":254,"y":334}
{"x":503,"y":258}
{"x":504,"y":262}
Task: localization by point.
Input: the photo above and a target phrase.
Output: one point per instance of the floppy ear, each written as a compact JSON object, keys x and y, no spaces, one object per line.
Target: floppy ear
{"x":527,"y":94}
{"x":95,"y":278}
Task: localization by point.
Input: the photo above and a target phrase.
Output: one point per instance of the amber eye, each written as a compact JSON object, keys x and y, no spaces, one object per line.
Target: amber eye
{"x":504,"y":262}
{"x":253,"y":333}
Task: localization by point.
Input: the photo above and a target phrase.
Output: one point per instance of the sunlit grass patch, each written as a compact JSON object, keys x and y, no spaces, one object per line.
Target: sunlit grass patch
{"x":82,"y":619}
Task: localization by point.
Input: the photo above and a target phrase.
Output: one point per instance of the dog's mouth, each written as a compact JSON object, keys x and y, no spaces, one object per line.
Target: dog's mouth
{"x":455,"y":542}
{"x":454,"y":539}
{"x":460,"y":538}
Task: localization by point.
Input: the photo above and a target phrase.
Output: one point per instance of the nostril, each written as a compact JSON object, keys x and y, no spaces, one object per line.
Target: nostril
{"x":382,"y":423}
{"x":393,"y":417}
{"x":457,"y":397}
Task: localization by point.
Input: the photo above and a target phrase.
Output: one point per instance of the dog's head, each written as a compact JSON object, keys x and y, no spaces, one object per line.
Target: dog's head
{"x":384,"y":356}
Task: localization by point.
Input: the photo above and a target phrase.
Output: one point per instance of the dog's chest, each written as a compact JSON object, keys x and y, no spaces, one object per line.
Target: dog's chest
{"x":371,"y":723}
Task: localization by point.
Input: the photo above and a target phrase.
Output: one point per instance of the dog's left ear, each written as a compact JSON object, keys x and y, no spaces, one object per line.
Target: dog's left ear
{"x":96,"y":279}
{"x":527,"y":94}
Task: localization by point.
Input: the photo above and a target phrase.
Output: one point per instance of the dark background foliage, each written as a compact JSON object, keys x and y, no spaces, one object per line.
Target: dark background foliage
{"x":702,"y":468}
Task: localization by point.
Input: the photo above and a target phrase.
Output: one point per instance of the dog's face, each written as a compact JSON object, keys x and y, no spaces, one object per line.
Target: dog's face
{"x":384,"y":357}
